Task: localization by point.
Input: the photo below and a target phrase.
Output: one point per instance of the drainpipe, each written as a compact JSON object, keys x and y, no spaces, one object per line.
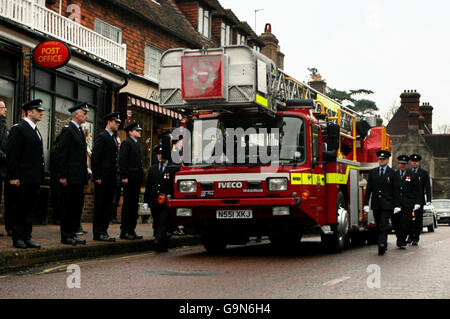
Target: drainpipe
{"x":117,"y":92}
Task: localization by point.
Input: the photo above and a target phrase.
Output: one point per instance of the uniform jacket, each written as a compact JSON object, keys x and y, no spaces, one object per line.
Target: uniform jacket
{"x":73,"y":158}
{"x":382,"y":189}
{"x":130,"y":161}
{"x":104,"y":159}
{"x":159,"y":183}
{"x":407,"y":188}
{"x":25,"y":154}
{"x":424,"y":186}
{"x":3,"y":141}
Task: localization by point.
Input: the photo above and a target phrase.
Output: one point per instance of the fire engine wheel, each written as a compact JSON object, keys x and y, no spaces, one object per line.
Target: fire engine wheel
{"x":337,"y":241}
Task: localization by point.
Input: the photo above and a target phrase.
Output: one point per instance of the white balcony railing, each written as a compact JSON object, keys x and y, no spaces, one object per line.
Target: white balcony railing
{"x":39,"y":18}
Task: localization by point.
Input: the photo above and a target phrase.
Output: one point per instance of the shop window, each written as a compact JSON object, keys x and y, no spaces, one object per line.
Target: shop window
{"x":152,"y":60}
{"x":108,"y":30}
{"x":44,"y":125}
{"x":66,"y":87}
{"x":8,"y":66}
{"x":43,"y":80}
{"x":7,"y":96}
{"x":87,"y":94}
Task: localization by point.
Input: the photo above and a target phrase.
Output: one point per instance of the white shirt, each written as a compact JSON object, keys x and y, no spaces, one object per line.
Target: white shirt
{"x":76,"y":124}
{"x":33,"y":126}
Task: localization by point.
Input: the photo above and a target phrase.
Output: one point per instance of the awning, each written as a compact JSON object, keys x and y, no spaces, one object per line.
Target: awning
{"x":153,"y":107}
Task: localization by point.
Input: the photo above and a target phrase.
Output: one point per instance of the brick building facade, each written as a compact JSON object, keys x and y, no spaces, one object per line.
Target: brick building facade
{"x":411,"y":131}
{"x":116,"y":46}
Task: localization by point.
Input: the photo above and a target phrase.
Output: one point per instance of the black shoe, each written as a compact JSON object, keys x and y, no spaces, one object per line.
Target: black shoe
{"x":178,"y":232}
{"x":402,"y":246}
{"x":409,"y":241}
{"x":79,"y":241}
{"x":32,"y":244}
{"x":68,"y":241}
{"x":136,"y":236}
{"x":381,"y":250}
{"x":80,"y":232}
{"x":104,"y":238}
{"x":127,"y":236}
{"x":114,"y":221}
{"x":19,"y":244}
{"x":415,"y":243}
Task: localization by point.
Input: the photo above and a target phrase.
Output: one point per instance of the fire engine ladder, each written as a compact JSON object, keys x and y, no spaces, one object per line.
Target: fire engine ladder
{"x":288,"y":88}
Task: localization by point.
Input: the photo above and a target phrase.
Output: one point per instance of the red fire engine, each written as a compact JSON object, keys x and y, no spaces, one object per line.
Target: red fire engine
{"x":242,"y":110}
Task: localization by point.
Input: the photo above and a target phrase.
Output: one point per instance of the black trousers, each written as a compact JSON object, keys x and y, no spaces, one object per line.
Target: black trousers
{"x":161,"y":225}
{"x":401,"y":223}
{"x":56,"y":199}
{"x":382,"y":221}
{"x":130,"y":207}
{"x":4,"y":185}
{"x":24,"y":198}
{"x":116,"y":202}
{"x":416,"y":225}
{"x":73,"y":207}
{"x":103,"y":202}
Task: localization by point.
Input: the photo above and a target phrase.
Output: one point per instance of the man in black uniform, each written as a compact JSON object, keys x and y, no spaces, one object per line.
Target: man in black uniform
{"x":25,"y":162}
{"x":105,"y":171}
{"x":3,"y":140}
{"x":407,"y":187}
{"x":160,"y":184}
{"x":73,"y":173}
{"x":424,"y":190}
{"x":131,"y":172}
{"x":381,"y":186}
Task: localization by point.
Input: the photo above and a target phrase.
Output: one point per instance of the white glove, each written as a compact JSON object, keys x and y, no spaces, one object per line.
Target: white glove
{"x":145,"y":206}
{"x":416,"y":207}
{"x":397,"y":210}
{"x":428,"y":203}
{"x":366,"y":209}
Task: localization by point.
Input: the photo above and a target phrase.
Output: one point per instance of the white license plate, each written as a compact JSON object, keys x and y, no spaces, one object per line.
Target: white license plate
{"x":234,"y":214}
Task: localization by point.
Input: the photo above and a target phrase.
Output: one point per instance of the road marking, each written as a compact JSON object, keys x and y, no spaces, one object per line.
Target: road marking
{"x":410,"y":253}
{"x":93,"y":262}
{"x":336,"y":281}
{"x":3,"y":277}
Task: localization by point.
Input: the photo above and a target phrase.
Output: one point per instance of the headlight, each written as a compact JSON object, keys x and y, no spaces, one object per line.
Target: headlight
{"x":187,"y":186}
{"x":280,"y":211}
{"x":277,"y":184}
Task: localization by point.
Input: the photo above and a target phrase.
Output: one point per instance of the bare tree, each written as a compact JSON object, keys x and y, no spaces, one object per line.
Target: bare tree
{"x":442,"y":129}
{"x":389,"y":114}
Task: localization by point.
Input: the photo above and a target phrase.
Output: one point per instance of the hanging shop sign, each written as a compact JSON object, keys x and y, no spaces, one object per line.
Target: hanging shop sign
{"x":51,"y":54}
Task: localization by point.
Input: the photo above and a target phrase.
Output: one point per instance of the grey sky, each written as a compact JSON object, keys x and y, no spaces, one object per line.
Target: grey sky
{"x":385,"y":46}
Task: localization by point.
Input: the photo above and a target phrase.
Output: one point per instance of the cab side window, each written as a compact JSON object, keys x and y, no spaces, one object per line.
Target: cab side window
{"x":315,"y":143}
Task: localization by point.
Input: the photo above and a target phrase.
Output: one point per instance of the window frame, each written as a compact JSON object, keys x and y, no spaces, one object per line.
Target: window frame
{"x":147,"y":63}
{"x":204,"y":15}
{"x":100,"y":23}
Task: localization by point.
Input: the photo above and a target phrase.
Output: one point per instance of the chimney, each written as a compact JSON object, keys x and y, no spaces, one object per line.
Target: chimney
{"x":426,"y":110}
{"x":379,"y":120}
{"x":410,"y":100}
{"x":413,"y":121}
{"x":271,"y":48}
{"x":318,"y":83}
{"x":421,"y":124}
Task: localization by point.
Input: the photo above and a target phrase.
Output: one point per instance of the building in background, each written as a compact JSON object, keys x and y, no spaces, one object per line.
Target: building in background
{"x":411,"y":130}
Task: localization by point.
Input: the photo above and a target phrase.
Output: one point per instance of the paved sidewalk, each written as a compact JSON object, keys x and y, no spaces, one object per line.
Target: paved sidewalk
{"x":12,"y":259}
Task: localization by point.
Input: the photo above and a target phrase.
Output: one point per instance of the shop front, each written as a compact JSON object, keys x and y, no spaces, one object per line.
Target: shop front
{"x":152,"y":118}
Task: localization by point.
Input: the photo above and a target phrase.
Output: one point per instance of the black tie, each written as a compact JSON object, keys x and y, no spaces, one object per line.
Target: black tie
{"x":38,"y":134}
{"x":381,"y":171}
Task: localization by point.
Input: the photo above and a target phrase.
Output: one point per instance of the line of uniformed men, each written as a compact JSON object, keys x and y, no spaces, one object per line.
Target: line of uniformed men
{"x":25,"y":173}
{"x":399,"y":196}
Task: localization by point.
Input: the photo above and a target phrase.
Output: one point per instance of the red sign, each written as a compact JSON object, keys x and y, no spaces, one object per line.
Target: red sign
{"x":202,"y":77}
{"x":51,"y":54}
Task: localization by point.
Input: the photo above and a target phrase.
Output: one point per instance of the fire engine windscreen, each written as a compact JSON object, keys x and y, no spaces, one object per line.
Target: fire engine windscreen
{"x":237,"y":141}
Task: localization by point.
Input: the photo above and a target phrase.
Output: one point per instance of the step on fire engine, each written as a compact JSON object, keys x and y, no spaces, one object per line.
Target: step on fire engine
{"x":240,"y":109}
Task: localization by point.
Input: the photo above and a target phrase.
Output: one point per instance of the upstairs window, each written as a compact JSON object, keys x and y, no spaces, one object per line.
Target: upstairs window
{"x":152,"y":61}
{"x":241,"y":39}
{"x":204,"y":22}
{"x":108,"y":30}
{"x":257,"y":48}
{"x":225,"y":38}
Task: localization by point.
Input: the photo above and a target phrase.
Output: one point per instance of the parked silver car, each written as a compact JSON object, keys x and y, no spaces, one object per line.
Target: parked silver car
{"x":443,"y":210}
{"x":430,"y":217}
